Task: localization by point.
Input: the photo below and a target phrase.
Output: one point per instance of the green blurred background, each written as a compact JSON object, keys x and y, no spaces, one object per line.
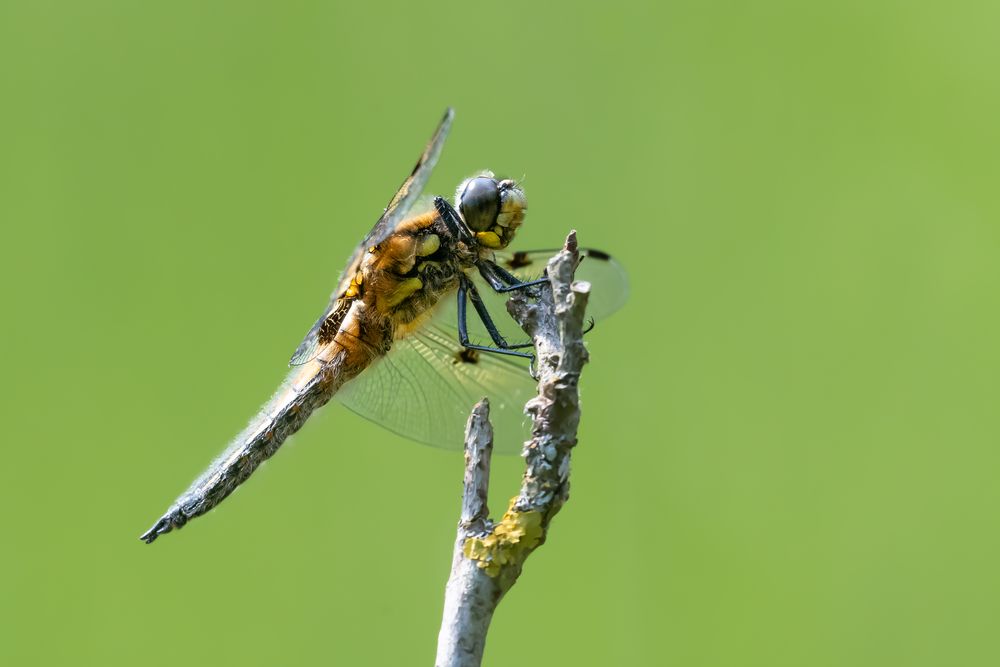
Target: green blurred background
{"x":789,"y":448}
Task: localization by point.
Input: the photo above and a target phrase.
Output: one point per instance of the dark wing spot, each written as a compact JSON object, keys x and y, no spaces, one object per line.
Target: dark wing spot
{"x":467,"y":356}
{"x":327,"y":330}
{"x":518,"y":260}
{"x":598,"y":254}
{"x":331,"y":325}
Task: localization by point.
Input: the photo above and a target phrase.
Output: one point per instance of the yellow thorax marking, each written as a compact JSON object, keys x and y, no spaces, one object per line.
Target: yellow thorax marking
{"x":428,"y":245}
{"x":489,"y":240}
{"x":403,"y":290}
{"x":354,"y":289}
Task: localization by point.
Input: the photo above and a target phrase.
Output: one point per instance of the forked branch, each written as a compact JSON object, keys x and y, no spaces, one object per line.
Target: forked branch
{"x":489,"y":555}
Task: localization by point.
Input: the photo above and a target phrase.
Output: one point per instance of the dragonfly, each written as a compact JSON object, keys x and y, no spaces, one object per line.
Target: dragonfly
{"x":396,"y":343}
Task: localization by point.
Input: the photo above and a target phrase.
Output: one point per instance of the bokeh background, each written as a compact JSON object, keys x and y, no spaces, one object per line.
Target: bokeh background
{"x":789,"y":449}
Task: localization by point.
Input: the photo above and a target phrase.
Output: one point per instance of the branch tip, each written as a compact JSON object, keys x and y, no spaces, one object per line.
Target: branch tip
{"x":478,"y":451}
{"x":488,"y":556}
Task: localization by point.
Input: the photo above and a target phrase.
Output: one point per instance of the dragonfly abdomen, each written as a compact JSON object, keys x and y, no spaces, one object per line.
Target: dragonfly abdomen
{"x":361,"y":339}
{"x":282,"y":416}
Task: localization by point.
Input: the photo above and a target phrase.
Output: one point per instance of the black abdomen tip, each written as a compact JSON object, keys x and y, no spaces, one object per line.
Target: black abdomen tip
{"x":164,"y":525}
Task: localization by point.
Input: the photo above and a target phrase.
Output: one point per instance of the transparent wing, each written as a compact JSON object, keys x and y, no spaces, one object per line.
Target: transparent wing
{"x":412,"y":187}
{"x":426,"y":386}
{"x":607,"y":276}
{"x":309,"y":347}
{"x":608,"y":293}
{"x":398,"y":208}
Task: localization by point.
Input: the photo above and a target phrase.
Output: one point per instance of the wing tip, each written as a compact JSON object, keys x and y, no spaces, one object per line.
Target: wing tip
{"x":443,"y":128}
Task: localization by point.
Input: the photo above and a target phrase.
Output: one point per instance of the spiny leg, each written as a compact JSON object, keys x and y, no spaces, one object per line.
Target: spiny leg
{"x":463,"y":329}
{"x":502,"y":280}
{"x":452,"y":219}
{"x":487,"y":319}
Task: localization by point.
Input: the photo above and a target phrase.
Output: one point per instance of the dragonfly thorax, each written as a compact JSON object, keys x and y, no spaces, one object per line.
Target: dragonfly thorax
{"x":407,"y":273}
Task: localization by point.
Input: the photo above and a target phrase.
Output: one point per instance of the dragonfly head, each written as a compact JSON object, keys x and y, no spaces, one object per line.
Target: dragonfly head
{"x":493,"y":209}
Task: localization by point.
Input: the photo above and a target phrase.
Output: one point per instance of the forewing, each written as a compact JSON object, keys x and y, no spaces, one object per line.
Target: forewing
{"x":425,"y":388}
{"x":394,"y":213}
{"x":408,"y":192}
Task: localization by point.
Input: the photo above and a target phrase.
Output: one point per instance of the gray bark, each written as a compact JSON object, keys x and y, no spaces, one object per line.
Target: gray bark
{"x":488,"y":555}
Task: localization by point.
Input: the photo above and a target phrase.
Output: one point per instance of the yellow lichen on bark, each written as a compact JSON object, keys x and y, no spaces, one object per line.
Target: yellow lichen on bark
{"x":510,"y":541}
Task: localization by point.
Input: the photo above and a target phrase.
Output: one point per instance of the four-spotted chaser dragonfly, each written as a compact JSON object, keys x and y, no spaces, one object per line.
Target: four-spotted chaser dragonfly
{"x":393,"y":349}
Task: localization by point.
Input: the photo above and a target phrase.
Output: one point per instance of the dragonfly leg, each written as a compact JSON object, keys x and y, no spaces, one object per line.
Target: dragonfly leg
{"x":503,"y":347}
{"x":502,"y":280}
{"x":487,"y":319}
{"x":452,"y":219}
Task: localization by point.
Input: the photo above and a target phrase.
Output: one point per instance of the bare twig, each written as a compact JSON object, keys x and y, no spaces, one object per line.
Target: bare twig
{"x":488,"y":555}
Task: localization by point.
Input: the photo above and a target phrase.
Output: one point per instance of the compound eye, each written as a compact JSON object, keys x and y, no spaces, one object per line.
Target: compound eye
{"x":479,"y":203}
